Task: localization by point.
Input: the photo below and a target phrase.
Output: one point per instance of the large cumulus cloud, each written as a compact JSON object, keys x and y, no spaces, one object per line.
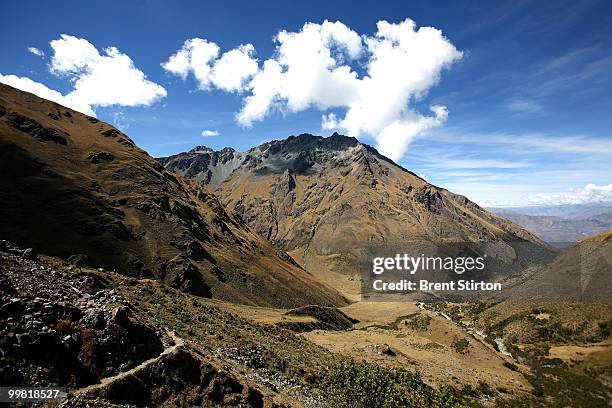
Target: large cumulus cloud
{"x":106,"y":78}
{"x":363,"y":84}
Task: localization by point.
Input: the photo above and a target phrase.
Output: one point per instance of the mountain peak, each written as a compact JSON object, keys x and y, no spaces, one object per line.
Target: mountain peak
{"x":307,"y":141}
{"x":201,"y":149}
{"x":299,"y":154}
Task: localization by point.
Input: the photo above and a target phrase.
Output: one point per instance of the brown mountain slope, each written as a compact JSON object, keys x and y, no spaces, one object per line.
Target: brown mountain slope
{"x":327,"y":199}
{"x":71,"y":184}
{"x":582,"y":272}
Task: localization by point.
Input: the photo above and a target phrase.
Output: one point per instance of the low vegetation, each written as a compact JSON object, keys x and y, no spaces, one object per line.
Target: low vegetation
{"x":327,"y":318}
{"x":414,"y":321}
{"x":351,"y":384}
{"x":461,"y":346}
{"x":273,"y":348}
{"x":419,"y":322}
{"x":529,"y":331}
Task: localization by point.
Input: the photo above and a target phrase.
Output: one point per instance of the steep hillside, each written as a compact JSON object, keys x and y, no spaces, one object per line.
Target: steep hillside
{"x":71,"y":184}
{"x":325,"y":200}
{"x":583,"y":272}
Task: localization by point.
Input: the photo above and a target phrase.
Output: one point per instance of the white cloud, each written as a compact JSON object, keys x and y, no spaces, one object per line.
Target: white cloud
{"x":194,"y":56}
{"x":36,"y":51}
{"x":313,"y":68}
{"x":530,"y":142}
{"x":209,"y":133}
{"x":591,"y":193}
{"x":102,"y":79}
{"x":310,"y":72}
{"x":105,"y":79}
{"x":234,"y":67}
{"x":200,"y":57}
{"x":393,"y":140}
{"x":442,"y":161}
{"x":38,"y":89}
{"x":263,"y":91}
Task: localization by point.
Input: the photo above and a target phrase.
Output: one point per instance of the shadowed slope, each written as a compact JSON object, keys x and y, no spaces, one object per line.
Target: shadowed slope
{"x":72,"y":184}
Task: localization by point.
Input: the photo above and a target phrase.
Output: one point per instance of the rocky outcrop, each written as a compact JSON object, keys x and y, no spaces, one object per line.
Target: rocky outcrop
{"x":61,"y":327}
{"x":181,"y":273}
{"x":204,"y":164}
{"x":33,"y":128}
{"x":184,"y":379}
{"x":99,"y":157}
{"x":326,"y":318}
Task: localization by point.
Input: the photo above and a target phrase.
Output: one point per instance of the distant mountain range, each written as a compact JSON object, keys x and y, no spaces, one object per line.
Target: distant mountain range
{"x":563,"y":224}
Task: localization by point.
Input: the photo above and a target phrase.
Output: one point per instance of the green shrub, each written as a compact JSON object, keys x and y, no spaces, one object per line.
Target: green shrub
{"x":368,"y":385}
{"x":418,"y":322}
{"x":87,"y":353}
{"x":461,"y":346}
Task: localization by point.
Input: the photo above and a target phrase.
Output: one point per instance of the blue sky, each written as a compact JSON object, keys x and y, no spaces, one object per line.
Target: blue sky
{"x":526,"y":84}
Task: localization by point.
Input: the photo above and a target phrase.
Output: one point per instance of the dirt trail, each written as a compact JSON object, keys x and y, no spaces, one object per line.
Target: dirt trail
{"x":178,"y":342}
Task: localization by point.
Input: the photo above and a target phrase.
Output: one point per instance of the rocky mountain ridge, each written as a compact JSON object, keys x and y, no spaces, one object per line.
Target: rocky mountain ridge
{"x":326,"y":199}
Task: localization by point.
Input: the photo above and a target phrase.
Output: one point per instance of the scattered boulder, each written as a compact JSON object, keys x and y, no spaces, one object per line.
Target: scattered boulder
{"x":29,"y":254}
{"x":78,"y":260}
{"x":62,"y":327}
{"x":120,"y":315}
{"x":194,"y":382}
{"x":35,"y":129}
{"x":99,"y":157}
{"x":111,"y":133}
{"x":388,"y":351}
